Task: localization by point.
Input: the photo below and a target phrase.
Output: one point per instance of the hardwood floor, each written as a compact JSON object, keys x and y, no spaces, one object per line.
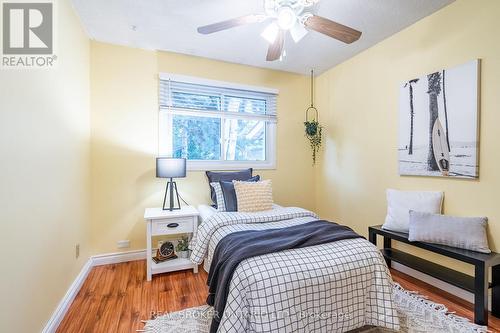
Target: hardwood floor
{"x":115,"y":298}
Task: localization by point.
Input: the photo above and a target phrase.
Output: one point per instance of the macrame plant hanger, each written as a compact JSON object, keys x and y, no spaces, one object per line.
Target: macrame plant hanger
{"x":312,"y":107}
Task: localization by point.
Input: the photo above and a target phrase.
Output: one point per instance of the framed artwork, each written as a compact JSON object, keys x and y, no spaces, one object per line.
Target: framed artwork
{"x":439,"y":123}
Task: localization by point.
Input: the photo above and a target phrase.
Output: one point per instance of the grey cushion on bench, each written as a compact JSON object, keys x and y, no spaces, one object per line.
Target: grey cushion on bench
{"x":462,"y":232}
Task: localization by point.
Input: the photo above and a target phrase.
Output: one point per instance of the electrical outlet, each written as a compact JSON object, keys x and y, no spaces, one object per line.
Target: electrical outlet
{"x":77,"y":251}
{"x":123,"y":244}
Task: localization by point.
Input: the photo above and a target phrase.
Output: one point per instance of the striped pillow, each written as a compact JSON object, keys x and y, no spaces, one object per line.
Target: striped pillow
{"x":219,"y":195}
{"x":254,"y":197}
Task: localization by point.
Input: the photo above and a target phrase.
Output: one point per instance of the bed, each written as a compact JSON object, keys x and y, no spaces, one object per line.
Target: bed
{"x":333,"y":287}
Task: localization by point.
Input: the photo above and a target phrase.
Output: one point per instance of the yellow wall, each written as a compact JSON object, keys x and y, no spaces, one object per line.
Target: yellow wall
{"x":44,"y":176}
{"x":124,"y":125}
{"x":359,"y":103}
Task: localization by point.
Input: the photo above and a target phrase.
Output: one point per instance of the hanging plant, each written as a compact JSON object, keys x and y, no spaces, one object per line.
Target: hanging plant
{"x":312,"y":127}
{"x":313,"y":133}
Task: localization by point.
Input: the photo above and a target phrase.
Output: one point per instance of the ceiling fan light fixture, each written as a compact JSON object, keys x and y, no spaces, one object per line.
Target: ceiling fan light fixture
{"x":286,"y":18}
{"x":270,"y":32}
{"x":283,"y":55}
{"x":298,"y":32}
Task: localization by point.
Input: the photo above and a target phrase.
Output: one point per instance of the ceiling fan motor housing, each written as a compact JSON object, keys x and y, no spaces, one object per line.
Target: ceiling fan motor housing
{"x":283,"y":8}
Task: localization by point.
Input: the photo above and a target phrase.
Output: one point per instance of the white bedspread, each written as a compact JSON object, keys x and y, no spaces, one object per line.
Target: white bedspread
{"x":334,"y":287}
{"x":206,"y":212}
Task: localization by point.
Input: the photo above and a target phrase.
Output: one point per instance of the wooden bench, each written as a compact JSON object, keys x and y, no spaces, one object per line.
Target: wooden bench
{"x":477,"y":284}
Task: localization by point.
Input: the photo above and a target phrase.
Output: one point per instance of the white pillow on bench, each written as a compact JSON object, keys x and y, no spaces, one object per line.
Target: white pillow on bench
{"x":463,"y":232}
{"x":399,"y":204}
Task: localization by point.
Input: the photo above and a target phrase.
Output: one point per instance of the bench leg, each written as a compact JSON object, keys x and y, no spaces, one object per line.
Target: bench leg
{"x":387,"y":245}
{"x":481,"y":295}
{"x":495,"y":300}
{"x":372,"y":237}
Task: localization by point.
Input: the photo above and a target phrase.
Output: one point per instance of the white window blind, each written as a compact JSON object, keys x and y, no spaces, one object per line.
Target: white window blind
{"x":216,"y":124}
{"x":191,"y":98}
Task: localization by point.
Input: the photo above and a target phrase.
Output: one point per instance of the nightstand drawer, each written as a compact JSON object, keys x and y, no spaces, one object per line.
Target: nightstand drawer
{"x":178,"y":225}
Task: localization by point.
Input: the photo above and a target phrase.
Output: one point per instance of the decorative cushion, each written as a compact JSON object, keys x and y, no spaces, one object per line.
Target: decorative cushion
{"x":226,"y":176}
{"x":399,"y":204}
{"x":219,"y":196}
{"x":229,"y":194}
{"x":462,"y":232}
{"x":254,"y":196}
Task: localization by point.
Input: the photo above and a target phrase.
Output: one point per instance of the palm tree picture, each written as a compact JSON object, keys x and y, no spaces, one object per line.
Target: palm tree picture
{"x":438,"y":117}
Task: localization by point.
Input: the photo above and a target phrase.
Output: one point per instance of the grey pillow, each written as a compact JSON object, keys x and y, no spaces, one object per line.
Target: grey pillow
{"x":214,"y":177}
{"x":463,"y":232}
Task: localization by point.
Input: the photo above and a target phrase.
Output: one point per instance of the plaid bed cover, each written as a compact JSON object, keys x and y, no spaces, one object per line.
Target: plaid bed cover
{"x":334,"y":287}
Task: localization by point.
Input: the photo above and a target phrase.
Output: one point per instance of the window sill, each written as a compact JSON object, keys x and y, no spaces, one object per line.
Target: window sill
{"x":229,"y":165}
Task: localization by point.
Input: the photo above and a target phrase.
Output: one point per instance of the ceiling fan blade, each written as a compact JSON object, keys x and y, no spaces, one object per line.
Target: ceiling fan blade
{"x":332,"y":29}
{"x":276,"y":48}
{"x":228,"y":24}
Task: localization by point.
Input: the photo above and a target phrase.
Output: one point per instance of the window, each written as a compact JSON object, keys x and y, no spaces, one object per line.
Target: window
{"x":217,"y":125}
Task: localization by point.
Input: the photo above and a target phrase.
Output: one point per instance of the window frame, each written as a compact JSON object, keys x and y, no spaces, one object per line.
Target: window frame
{"x":165,"y":121}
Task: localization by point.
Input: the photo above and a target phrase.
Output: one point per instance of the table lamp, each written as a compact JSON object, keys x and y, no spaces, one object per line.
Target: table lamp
{"x":171,"y":168}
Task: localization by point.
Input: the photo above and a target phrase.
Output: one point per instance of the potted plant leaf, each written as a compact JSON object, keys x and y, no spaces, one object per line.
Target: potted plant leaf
{"x":183,"y":248}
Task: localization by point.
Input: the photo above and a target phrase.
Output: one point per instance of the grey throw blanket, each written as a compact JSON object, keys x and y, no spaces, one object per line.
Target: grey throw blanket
{"x":238,"y":246}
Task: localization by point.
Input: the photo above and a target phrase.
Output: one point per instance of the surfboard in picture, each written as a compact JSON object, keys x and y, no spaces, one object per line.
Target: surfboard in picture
{"x":440,"y":148}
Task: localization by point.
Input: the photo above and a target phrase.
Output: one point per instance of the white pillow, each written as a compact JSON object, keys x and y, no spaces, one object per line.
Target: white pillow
{"x":399,"y":204}
{"x":462,"y":232}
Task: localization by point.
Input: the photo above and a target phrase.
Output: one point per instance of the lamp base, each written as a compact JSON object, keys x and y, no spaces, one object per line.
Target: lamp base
{"x":171,"y":187}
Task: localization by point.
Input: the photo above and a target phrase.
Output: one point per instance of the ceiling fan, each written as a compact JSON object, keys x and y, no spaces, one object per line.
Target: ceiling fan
{"x":287,"y":16}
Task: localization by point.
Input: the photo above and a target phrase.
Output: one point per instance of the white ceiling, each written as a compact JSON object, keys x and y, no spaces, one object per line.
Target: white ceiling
{"x":170,"y":25}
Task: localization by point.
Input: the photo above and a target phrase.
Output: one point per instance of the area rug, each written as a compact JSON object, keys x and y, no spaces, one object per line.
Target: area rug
{"x":416,"y":315}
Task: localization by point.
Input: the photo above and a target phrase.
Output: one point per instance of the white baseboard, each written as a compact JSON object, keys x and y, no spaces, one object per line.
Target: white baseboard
{"x":97,"y":260}
{"x":118,"y":257}
{"x":66,"y":301}
{"x":461,"y":293}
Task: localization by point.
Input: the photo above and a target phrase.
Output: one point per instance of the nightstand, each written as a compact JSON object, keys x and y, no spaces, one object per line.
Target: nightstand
{"x":164,"y":222}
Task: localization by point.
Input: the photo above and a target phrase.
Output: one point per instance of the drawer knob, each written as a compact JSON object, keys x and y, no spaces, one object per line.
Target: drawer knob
{"x":172,"y":225}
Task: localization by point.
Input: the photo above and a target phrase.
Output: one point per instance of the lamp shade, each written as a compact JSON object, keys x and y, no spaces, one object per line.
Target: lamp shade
{"x":167,"y":167}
